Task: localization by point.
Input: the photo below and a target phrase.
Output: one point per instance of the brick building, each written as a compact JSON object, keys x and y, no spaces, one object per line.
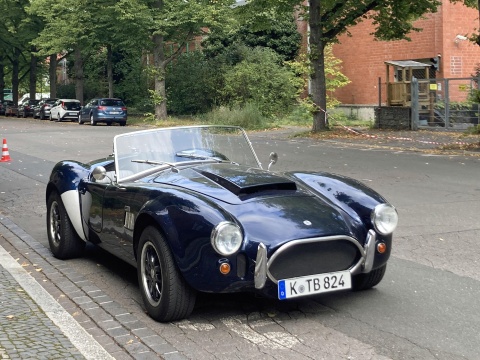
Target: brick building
{"x":443,"y":34}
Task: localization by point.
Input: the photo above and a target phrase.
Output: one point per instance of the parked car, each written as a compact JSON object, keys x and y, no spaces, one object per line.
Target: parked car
{"x":42,"y":109}
{"x":26,"y":108}
{"x":193,"y":209}
{"x":65,"y":109}
{"x":104,"y":110}
{"x":2,"y":108}
{"x":10,"y":108}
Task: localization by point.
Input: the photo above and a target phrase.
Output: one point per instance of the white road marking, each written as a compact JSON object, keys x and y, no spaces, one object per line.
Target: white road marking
{"x":187,"y":325}
{"x":271,"y":340}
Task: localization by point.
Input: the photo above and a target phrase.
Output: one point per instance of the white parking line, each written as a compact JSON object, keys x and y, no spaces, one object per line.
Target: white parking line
{"x":271,"y":340}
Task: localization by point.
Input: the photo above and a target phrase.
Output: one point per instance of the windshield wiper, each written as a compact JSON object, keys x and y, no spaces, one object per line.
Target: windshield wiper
{"x":153,"y":162}
{"x":203,"y":157}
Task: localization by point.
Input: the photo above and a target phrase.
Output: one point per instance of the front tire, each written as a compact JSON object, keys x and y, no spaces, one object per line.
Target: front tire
{"x":80,"y":122}
{"x":62,"y":238}
{"x":368,"y":280}
{"x":165,"y":293}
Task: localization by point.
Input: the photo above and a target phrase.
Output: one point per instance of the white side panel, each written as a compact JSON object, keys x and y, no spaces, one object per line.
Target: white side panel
{"x":72,"y":206}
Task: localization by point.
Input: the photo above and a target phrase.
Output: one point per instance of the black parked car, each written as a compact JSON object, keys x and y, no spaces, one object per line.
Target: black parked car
{"x":26,"y":108}
{"x":42,"y":109}
{"x":193,"y":209}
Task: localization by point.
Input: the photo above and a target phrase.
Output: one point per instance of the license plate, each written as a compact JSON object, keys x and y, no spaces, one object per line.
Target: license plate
{"x":314,"y":284}
{"x":114,"y":112}
{"x":72,"y":114}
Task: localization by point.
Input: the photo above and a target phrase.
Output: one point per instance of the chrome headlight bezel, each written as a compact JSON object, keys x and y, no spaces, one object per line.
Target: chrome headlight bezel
{"x":226,"y":238}
{"x":384,"y":219}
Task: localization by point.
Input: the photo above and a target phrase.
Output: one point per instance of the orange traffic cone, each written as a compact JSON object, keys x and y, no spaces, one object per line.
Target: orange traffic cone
{"x":5,"y":154}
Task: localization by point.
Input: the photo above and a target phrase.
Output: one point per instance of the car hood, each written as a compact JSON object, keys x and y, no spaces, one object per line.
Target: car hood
{"x":267,"y":205}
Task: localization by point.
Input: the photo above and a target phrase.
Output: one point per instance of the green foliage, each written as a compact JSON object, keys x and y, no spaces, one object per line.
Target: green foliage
{"x":248,"y":117}
{"x":261,"y":79}
{"x":281,"y":36}
{"x":190,"y":84}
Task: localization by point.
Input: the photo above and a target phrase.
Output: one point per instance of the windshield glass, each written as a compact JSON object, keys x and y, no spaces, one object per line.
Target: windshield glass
{"x":142,"y":151}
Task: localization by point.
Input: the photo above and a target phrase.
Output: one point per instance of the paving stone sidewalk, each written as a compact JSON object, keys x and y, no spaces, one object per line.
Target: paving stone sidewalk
{"x":26,"y":331}
{"x":48,"y":311}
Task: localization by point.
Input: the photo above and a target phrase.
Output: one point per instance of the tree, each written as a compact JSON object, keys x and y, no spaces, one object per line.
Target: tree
{"x":476,"y":5}
{"x":327,"y":19}
{"x":177,"y":22}
{"x":281,"y":35}
{"x":17,"y":30}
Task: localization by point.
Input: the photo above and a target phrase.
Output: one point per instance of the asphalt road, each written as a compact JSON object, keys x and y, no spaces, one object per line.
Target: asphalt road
{"x":427,"y":306}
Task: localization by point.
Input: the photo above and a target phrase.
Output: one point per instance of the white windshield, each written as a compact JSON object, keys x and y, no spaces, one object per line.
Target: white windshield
{"x":141,"y":151}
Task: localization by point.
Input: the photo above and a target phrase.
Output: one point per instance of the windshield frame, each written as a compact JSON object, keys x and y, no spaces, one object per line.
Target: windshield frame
{"x":120,"y":155}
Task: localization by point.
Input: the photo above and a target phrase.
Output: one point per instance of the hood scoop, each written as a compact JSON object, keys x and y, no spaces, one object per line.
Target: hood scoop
{"x":243,"y":181}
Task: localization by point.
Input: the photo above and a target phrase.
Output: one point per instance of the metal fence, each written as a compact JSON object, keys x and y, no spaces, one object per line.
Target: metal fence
{"x":450,"y":103}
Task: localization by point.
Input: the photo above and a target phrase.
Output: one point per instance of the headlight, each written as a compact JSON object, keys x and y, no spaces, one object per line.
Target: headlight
{"x":226,"y":238}
{"x":385,"y":218}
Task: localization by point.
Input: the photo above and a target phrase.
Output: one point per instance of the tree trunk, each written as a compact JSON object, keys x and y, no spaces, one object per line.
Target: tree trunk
{"x":478,"y":35}
{"x":52,"y":75}
{"x":159,"y":96}
{"x":15,"y":74}
{"x":109,"y":71}
{"x":160,"y":99}
{"x":2,"y":78}
{"x":317,"y":59}
{"x":33,"y":73}
{"x":78,"y":74}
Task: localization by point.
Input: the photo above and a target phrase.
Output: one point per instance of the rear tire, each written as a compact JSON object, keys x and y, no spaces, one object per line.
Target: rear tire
{"x":80,"y":122}
{"x":166,"y":295}
{"x":368,"y":280}
{"x":62,"y":237}
{"x":92,"y":121}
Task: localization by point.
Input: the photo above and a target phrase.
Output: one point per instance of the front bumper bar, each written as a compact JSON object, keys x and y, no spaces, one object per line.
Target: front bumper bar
{"x":363,"y":265}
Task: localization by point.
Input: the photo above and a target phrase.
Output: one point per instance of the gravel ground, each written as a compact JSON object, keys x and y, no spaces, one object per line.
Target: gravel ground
{"x":433,"y":141}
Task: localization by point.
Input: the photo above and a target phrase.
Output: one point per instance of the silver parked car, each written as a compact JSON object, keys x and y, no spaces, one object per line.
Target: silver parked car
{"x":42,"y":109}
{"x":65,"y":109}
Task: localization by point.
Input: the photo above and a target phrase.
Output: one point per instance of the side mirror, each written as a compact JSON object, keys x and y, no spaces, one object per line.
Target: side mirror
{"x":273,"y":159}
{"x":99,"y":173}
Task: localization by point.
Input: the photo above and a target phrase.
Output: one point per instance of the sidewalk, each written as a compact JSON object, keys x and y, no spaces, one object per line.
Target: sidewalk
{"x":33,"y":325}
{"x":26,"y":330}
{"x":47,"y":311}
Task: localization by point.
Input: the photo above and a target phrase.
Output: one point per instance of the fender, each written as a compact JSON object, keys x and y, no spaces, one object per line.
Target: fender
{"x":352,"y":196}
{"x":187,"y":220}
{"x":65,"y":178}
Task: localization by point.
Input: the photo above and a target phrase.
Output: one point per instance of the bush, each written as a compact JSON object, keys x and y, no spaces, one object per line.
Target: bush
{"x":260,"y":79}
{"x":190,"y":84}
{"x":248,"y":117}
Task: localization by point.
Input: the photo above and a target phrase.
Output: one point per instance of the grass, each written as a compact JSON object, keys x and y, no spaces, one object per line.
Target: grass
{"x":249,"y":118}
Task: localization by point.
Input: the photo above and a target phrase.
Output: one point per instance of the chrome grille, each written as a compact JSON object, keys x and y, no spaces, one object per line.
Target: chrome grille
{"x":314,"y":256}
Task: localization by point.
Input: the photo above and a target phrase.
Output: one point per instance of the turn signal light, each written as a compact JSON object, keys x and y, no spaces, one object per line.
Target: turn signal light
{"x":381,"y":247}
{"x":225,"y":268}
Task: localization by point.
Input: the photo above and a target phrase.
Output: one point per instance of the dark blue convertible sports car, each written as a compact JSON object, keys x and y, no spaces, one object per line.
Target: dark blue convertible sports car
{"x":192,"y":209}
